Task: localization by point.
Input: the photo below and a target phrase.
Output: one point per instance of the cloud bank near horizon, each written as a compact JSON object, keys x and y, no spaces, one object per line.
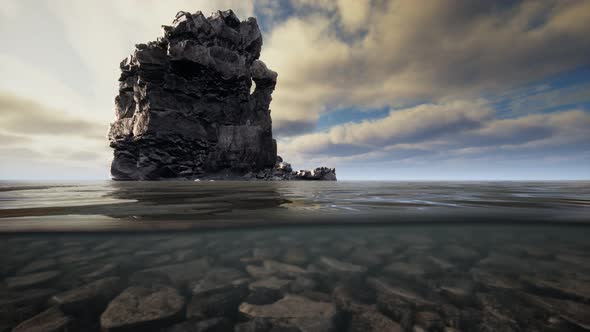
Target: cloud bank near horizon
{"x":404,"y":83}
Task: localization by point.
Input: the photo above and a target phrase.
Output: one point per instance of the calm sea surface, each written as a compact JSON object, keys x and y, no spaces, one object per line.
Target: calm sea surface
{"x":295,"y":256}
{"x":106,"y":206}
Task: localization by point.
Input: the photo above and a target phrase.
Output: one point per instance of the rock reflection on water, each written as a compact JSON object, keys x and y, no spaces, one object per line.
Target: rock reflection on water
{"x":435,"y":278}
{"x":106,"y":205}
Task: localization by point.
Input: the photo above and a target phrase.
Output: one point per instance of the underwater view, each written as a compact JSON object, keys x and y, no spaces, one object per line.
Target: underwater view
{"x":295,"y":256}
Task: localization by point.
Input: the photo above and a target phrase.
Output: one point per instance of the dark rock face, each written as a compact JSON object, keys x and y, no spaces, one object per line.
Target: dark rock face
{"x":185,"y":110}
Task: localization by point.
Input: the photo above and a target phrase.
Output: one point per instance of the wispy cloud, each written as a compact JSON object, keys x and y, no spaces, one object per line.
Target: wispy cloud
{"x":445,"y":130}
{"x":48,"y":142}
{"x":10,"y":139}
{"x":25,"y":116}
{"x":414,"y":51}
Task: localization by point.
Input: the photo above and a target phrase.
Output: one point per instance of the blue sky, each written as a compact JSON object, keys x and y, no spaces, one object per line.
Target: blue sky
{"x":384,"y":89}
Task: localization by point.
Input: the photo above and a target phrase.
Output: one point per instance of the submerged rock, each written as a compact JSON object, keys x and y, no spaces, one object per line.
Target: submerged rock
{"x":254,"y":325}
{"x":92,"y":297}
{"x":31,"y":280}
{"x":398,"y":302}
{"x":301,"y":284}
{"x":15,"y":306}
{"x":218,"y":324}
{"x":50,"y":320}
{"x":283,"y":269}
{"x":353,"y":299}
{"x":296,"y":256}
{"x":573,"y":312}
{"x":219,"y":303}
{"x":560,"y":286}
{"x":27,"y":297}
{"x":185,"y":108}
{"x":178,"y":274}
{"x":102,"y":271}
{"x":405,"y":270}
{"x":373,"y":321}
{"x":430,"y":321}
{"x":218,"y":279}
{"x":39,"y":265}
{"x":493,"y":279}
{"x":140,"y":307}
{"x":295,"y":312}
{"x":271,"y":283}
{"x":336,"y":266}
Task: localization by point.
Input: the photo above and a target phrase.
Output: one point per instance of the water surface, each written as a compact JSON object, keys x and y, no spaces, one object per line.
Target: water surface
{"x":91,"y":206}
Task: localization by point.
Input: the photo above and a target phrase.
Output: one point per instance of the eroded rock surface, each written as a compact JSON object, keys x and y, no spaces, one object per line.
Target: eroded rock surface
{"x":185,"y":109}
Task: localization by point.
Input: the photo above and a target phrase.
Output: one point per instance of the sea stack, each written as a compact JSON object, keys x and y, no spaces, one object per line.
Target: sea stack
{"x":185,"y":109}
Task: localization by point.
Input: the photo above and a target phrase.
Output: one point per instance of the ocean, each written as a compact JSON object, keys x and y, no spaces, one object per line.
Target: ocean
{"x":295,"y":256}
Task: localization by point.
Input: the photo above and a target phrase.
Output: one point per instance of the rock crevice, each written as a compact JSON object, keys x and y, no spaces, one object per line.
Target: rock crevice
{"x":185,"y":108}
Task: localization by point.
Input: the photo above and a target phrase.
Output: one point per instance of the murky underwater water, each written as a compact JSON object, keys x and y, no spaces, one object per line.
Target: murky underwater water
{"x":356,"y":256}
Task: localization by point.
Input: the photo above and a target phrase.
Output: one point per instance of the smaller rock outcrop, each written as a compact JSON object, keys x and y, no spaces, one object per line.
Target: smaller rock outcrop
{"x":282,"y":171}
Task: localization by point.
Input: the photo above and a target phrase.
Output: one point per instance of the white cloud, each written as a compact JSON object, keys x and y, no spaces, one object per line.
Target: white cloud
{"x":300,"y":50}
{"x":353,"y":13}
{"x":38,"y":84}
{"x":49,"y":142}
{"x":25,"y":116}
{"x":416,"y":51}
{"x":442,"y":131}
{"x":417,"y":124}
{"x":549,"y":97}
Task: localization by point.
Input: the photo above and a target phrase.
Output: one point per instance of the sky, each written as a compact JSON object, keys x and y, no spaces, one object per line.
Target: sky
{"x":381,"y":90}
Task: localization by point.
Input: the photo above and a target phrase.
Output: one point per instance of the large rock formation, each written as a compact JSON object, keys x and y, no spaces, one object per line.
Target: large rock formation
{"x":185,"y":107}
